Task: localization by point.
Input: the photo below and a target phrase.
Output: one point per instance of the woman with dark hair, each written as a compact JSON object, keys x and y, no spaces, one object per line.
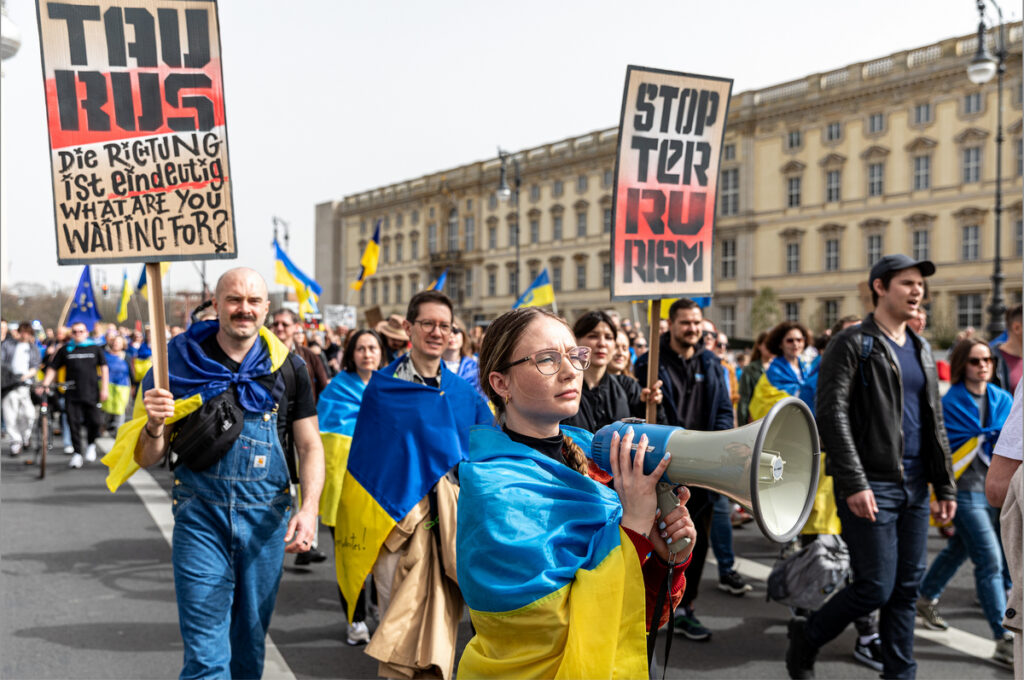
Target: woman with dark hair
{"x":560,"y":571}
{"x":621,"y":362}
{"x":787,"y":373}
{"x":459,"y":356}
{"x":760,"y":357}
{"x":606,"y":397}
{"x":337,"y":411}
{"x":974,"y":411}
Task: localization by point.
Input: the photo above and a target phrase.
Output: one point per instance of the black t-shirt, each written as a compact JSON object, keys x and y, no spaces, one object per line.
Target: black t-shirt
{"x":80,"y":373}
{"x":549,"y":446}
{"x":305,"y":403}
{"x":689,"y":384}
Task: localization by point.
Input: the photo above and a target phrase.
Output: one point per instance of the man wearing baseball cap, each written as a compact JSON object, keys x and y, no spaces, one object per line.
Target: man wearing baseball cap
{"x":880,"y":421}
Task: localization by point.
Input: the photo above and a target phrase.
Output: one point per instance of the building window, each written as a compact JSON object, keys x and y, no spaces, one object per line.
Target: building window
{"x":730,"y":191}
{"x":832,"y":255}
{"x":492,"y":283}
{"x":833,"y":132}
{"x":922,"y":114}
{"x":729,"y":152}
{"x":534,"y":192}
{"x":453,"y":231}
{"x":398,"y":290}
{"x":581,"y":276}
{"x":373,"y":292}
{"x":557,"y":188}
{"x":469,"y":204}
{"x":415,"y":243}
{"x":398,"y":220}
{"x":492,"y":236}
{"x":876,"y":123}
{"x":492,"y":201}
{"x":793,"y":192}
{"x":1018,"y":237}
{"x":556,"y":228}
{"x":831,"y":313}
{"x":792,"y":258}
{"x":362,"y":297}
{"x":398,"y":250}
{"x":533,"y":272}
{"x":876,"y":179}
{"x":792,"y":311}
{"x":513,"y":232}
{"x":432,"y":238}
{"x":606,"y":221}
{"x":415,"y":217}
{"x":556,"y":277}
{"x":362,"y":227}
{"x":972,"y":103}
{"x":581,"y":223}
{"x":513,"y":285}
{"x":969,"y":243}
{"x":581,"y":183}
{"x":468,"y":285}
{"x":874,"y":248}
{"x":972,"y":164}
{"x":385,"y":252}
{"x":794,"y":139}
{"x":968,"y":310}
{"x":832,"y":184}
{"x":919,"y":247}
{"x":534,"y":230}
{"x":607,"y":178}
{"x":727,"y":319}
{"x":922,"y":172}
{"x":385,"y":290}
{"x":470,"y":224}
{"x":729,"y":258}
{"x":606,"y":274}
{"x":1019,"y":146}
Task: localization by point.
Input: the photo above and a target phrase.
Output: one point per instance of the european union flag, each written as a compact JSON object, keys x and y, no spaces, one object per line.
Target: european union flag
{"x":83,"y":305}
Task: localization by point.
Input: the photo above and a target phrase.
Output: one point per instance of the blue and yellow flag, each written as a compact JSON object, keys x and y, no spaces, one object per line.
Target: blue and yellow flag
{"x":194,"y":379}
{"x":120,"y":385}
{"x":369,"y":260}
{"x":126,"y":295}
{"x":779,"y":381}
{"x":968,"y":437}
{"x":307,"y":291}
{"x":554,"y":585}
{"x":538,"y":294}
{"x":83,"y":307}
{"x":439,"y":283}
{"x":142,"y":287}
{"x":337,"y":411}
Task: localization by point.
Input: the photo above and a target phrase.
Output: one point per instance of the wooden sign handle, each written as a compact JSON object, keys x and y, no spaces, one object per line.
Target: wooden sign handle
{"x":157,"y":325}
{"x":653,"y":350}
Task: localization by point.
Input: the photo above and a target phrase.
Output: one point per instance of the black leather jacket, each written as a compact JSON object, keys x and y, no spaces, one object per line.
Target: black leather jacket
{"x":859,"y":410}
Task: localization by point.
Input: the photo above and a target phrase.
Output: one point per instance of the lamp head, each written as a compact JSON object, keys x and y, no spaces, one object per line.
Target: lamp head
{"x":983,"y":66}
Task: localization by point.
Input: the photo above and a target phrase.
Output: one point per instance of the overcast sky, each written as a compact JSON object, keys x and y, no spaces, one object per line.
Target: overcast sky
{"x":328,"y":98}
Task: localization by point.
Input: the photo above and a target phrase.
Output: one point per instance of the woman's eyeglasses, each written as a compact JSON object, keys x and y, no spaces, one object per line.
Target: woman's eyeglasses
{"x":978,"y":361}
{"x":549,"y":361}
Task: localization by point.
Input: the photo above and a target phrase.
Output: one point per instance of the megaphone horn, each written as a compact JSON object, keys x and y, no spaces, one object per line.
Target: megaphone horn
{"x":770,"y":466}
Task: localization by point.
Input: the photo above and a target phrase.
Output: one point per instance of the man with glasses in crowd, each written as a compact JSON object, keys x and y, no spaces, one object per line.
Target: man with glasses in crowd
{"x":88,"y":379}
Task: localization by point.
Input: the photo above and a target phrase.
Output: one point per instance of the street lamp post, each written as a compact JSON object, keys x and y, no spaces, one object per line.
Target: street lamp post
{"x":504,"y":193}
{"x":980,"y":70}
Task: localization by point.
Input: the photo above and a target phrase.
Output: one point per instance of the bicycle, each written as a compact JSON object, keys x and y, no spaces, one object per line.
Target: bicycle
{"x":42,"y":430}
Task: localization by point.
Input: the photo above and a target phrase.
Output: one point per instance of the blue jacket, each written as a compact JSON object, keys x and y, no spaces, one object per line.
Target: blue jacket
{"x":719,"y":415}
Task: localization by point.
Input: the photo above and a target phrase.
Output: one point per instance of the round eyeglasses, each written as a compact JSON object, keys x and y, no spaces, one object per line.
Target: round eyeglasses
{"x":549,"y":361}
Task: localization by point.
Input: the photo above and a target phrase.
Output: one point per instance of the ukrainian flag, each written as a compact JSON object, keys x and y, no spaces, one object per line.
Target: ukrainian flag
{"x":967,"y":436}
{"x":126,"y":295}
{"x":779,"y":381}
{"x":538,"y":294}
{"x":439,"y":284}
{"x":369,"y":260}
{"x":337,"y":411}
{"x":306,"y":289}
{"x":554,"y":586}
{"x":120,"y":385}
{"x":196,"y":378}
{"x":142,"y":361}
{"x":142,"y":286}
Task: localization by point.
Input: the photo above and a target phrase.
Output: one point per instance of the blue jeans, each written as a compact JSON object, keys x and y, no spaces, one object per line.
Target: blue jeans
{"x":977,"y":537}
{"x":721,"y":533}
{"x":227,"y":552}
{"x":887,"y":557}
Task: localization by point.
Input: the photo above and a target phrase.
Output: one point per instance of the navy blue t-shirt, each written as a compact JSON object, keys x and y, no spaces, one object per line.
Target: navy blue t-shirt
{"x":913,"y":393}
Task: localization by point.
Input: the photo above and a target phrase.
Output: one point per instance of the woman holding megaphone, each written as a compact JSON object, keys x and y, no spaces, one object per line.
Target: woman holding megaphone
{"x":560,"y":570}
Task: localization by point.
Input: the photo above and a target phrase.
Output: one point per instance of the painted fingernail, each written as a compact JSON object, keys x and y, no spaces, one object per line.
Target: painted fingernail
{"x":661,"y":525}
{"x":668,"y":541}
{"x":666,"y":456}
{"x":663,"y":534}
{"x":629,"y":430}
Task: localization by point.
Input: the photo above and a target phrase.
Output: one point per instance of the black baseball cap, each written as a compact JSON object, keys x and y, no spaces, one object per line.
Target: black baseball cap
{"x":899,"y":262}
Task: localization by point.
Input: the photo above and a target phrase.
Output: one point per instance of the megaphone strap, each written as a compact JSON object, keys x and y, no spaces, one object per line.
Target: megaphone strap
{"x":652,"y":634}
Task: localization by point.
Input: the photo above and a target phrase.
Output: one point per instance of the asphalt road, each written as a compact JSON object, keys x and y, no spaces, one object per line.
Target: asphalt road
{"x":88,"y":593}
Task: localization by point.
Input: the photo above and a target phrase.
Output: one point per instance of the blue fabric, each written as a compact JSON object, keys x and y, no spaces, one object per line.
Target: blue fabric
{"x":782,"y":376}
{"x":339,"y":403}
{"x":887,"y":557}
{"x":977,"y":537}
{"x":913,"y":392}
{"x":118,"y":370}
{"x":517,"y":501}
{"x":809,"y":390}
{"x":88,"y":342}
{"x":227,"y":552}
{"x":142,"y":352}
{"x":469,"y":370}
{"x":963,"y":421}
{"x":196,"y":373}
{"x":83,"y":306}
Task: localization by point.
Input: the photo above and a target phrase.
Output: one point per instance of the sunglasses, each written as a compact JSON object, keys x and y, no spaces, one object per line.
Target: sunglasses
{"x":978,"y":361}
{"x":794,"y":340}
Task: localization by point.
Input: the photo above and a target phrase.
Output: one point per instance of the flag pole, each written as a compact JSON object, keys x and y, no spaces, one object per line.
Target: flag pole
{"x":157,"y":325}
{"x":653,"y":350}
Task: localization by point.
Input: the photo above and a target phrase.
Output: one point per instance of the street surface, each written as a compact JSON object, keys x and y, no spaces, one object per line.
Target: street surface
{"x":88,"y":593}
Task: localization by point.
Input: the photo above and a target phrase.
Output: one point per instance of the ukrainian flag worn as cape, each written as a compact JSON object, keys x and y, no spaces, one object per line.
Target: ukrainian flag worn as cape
{"x":554,"y":586}
{"x":337,"y":411}
{"x":967,"y":436}
{"x":120,"y":385}
{"x":194,"y":379}
{"x":779,"y":381}
{"x":407,"y":436}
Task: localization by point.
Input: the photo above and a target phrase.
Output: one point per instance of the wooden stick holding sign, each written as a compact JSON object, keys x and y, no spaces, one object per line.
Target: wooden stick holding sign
{"x":653,"y":355}
{"x":157,"y":325}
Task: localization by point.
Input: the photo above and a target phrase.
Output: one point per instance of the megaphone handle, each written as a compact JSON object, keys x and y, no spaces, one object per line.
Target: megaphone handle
{"x":667,"y":502}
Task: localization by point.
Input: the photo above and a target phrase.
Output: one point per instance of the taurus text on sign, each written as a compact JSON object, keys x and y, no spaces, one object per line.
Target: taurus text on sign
{"x":138,"y":137}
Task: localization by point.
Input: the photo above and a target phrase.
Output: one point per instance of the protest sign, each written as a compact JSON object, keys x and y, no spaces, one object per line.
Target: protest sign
{"x":339,"y":315}
{"x":138,"y":139}
{"x":666,"y":178}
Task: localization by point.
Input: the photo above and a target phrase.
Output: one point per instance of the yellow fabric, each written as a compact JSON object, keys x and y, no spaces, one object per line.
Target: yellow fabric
{"x":306,"y":297}
{"x":824,"y":518}
{"x":117,"y":399}
{"x":141,"y":368}
{"x":360,"y":529}
{"x":765,"y":396}
{"x":594,"y":627}
{"x":368,"y":263}
{"x":336,"y":447}
{"x":962,"y":459}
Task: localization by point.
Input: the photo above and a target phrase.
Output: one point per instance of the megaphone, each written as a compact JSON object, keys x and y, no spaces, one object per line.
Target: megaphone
{"x":770,"y":466}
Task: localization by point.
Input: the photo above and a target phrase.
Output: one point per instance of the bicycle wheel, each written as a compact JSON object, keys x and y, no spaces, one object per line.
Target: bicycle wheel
{"x":44,"y":437}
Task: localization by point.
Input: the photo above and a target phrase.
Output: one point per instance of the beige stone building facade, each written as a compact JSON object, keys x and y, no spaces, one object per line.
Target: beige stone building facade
{"x":820,"y":177}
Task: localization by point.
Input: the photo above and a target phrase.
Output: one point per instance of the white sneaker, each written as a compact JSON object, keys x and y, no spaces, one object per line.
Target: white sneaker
{"x":358,"y":633}
{"x":76,"y":461}
{"x":68,"y":450}
{"x":90,"y":453}
{"x":15,"y":448}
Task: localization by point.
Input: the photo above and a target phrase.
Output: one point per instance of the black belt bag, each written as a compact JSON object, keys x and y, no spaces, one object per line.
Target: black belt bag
{"x":202,"y":438}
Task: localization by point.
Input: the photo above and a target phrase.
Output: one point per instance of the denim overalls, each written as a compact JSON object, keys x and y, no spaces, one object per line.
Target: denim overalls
{"x":228,"y":547}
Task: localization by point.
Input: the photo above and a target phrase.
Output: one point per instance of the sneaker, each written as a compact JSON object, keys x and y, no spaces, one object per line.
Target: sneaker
{"x":733,"y":583}
{"x":869,"y":654}
{"x":90,"y":453}
{"x":15,"y":448}
{"x":313,"y":555}
{"x":928,"y":610}
{"x":800,"y":654}
{"x":68,"y":450}
{"x":689,"y":625}
{"x":359,"y":634}
{"x":76,"y":461}
{"x":1004,"y":651}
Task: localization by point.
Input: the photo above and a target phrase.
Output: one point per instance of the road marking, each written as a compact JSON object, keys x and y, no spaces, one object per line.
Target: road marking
{"x":954,"y":638}
{"x":158,"y":503}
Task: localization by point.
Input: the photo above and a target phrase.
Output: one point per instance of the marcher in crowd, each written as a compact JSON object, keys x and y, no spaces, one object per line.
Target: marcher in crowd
{"x":760,"y":357}
{"x":285,"y":325}
{"x":120,"y":391}
{"x":18,"y":365}
{"x":397,"y":338}
{"x":787,"y":373}
{"x":459,"y":356}
{"x":621,"y":362}
{"x":1007,"y":354}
